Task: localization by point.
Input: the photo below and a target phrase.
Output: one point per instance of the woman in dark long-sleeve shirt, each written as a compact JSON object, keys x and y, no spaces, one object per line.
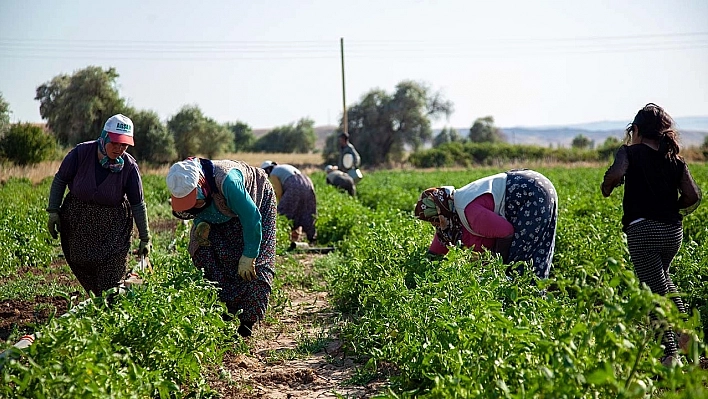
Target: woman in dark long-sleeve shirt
{"x":95,"y":219}
{"x":659,"y":191}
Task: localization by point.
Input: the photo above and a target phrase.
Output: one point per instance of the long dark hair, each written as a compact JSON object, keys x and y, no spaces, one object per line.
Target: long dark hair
{"x":653,"y":122}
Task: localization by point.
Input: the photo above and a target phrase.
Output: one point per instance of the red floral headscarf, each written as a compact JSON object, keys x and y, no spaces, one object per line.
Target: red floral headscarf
{"x":436,"y":205}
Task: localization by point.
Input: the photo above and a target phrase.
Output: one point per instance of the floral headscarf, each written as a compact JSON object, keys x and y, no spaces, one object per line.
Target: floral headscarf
{"x":437,"y":206}
{"x":114,"y":166}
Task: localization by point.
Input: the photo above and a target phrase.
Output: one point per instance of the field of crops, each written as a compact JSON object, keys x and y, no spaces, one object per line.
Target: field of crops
{"x":450,"y":327}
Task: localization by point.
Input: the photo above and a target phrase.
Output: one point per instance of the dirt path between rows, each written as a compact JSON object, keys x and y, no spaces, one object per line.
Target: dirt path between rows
{"x":272,"y":371}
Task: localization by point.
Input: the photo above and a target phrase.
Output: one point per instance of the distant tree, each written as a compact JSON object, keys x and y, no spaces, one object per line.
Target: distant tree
{"x":77,"y":106}
{"x":582,"y":142}
{"x":484,"y":131}
{"x":243,"y":136}
{"x":612,"y":142}
{"x":195,"y":134}
{"x":382,"y":124}
{"x":215,"y":139}
{"x":4,"y":115}
{"x":609,"y":147}
{"x":185,"y":127}
{"x":27,"y":144}
{"x":292,"y":138}
{"x":447,"y":135}
{"x":153,"y":142}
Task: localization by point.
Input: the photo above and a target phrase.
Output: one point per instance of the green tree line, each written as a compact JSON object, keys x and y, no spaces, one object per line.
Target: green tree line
{"x":383,"y":126}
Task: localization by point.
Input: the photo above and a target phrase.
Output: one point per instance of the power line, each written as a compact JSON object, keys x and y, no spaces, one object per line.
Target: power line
{"x":371,"y":49}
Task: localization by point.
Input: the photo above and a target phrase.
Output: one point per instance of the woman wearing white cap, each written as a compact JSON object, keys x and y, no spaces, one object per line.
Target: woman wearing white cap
{"x":233,"y":235}
{"x":296,"y":198}
{"x":95,"y":219}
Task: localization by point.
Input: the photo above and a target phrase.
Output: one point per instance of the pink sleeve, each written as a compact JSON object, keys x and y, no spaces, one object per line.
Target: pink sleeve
{"x":437,"y":247}
{"x":481,"y":217}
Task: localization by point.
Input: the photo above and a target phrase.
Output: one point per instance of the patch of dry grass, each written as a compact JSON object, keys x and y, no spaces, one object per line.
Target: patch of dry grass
{"x":39,"y":172}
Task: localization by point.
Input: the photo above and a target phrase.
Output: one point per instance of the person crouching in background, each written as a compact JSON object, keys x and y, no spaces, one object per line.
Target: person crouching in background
{"x":339,"y":179}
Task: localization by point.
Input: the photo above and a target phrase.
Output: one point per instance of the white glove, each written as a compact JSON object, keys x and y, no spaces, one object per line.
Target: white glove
{"x":247,"y":268}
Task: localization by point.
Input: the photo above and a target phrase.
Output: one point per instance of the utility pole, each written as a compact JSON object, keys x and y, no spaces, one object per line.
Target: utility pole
{"x":344,"y":92}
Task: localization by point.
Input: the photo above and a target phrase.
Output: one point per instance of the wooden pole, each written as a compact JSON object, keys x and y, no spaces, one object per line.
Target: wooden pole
{"x":344,"y":92}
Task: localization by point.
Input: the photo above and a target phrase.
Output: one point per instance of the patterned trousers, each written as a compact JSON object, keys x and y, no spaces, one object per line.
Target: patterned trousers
{"x":652,"y":247}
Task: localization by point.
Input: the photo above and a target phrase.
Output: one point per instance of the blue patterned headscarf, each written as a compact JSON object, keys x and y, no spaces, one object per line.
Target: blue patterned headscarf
{"x":114,"y":166}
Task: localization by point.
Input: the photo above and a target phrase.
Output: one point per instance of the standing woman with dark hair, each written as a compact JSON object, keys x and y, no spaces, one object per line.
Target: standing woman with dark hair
{"x":659,"y":191}
{"x":95,"y":220}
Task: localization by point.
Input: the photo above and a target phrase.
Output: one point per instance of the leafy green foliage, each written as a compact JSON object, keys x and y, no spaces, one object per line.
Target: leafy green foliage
{"x":582,"y":142}
{"x":381,"y":124}
{"x":77,"y":106}
{"x":461,"y":328}
{"x":23,"y":233}
{"x":27,"y":144}
{"x":484,"y":131}
{"x":243,"y":136}
{"x":4,"y":115}
{"x":447,"y":135}
{"x":196,"y":134}
{"x":470,"y":154}
{"x":153,"y":143}
{"x":292,"y":138}
{"x":150,"y":343}
{"x":453,"y":326}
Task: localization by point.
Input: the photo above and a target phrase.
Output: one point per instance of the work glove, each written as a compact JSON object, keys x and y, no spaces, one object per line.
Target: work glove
{"x":145,"y":247}
{"x":247,"y":268}
{"x":54,"y":224}
{"x":296,"y":234}
{"x":201,"y":233}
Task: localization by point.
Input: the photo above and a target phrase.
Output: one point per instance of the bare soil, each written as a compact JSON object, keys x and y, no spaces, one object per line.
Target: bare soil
{"x":22,"y":315}
{"x":267,"y":371}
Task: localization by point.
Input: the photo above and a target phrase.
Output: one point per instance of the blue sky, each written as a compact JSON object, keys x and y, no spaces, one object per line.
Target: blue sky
{"x":270,"y":63}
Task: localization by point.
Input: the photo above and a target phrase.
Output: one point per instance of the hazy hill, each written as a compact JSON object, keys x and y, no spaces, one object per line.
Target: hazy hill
{"x":564,"y":136}
{"x":692,"y":130}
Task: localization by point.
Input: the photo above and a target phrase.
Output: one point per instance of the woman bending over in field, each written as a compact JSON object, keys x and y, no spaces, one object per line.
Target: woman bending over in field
{"x":512,"y":213}
{"x":659,"y":190}
{"x":233,"y":234}
{"x":296,"y":199}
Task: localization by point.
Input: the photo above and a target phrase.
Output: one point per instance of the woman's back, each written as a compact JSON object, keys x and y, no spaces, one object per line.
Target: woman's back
{"x":651,"y":185}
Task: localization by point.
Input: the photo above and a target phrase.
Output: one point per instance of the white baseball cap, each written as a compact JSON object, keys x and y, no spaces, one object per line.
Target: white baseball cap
{"x":120,"y":129}
{"x":182,"y":180}
{"x":267,"y":164}
{"x":328,"y":169}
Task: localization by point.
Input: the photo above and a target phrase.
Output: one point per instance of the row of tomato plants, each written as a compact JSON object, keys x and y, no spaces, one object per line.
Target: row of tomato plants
{"x":163,"y":339}
{"x":458,"y":327}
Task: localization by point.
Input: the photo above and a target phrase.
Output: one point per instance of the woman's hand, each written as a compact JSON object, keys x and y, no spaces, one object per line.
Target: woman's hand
{"x":247,"y":268}
{"x":54,"y":224}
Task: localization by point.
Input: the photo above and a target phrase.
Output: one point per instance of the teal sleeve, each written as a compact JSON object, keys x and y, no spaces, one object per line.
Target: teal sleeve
{"x":242,"y":204}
